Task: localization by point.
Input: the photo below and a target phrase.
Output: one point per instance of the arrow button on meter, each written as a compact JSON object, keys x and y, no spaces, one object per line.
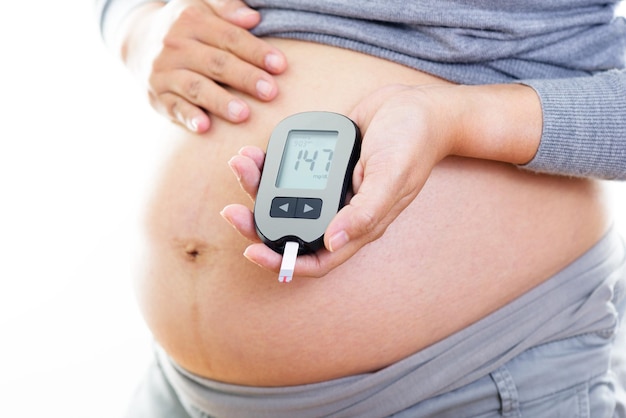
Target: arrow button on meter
{"x":309,"y":208}
{"x":283,"y":207}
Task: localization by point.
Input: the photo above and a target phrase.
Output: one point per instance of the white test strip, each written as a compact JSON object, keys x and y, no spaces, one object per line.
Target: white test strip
{"x":289,"y":262}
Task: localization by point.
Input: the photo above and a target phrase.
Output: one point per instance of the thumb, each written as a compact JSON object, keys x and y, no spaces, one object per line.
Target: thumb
{"x":236,"y":12}
{"x":366,"y":217}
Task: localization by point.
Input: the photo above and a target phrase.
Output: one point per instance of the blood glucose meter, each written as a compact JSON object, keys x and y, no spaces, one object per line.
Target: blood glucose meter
{"x":308,"y":169}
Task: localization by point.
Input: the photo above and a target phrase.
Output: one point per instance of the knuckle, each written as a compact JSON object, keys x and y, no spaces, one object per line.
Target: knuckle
{"x":165,"y":59}
{"x":163,"y":104}
{"x":171,"y":41}
{"x":193,"y":88}
{"x":250,"y":79}
{"x":231,"y":36}
{"x":189,"y":14}
{"x":368,"y":222}
{"x":217,"y":63}
{"x":176,"y":110}
{"x":173,"y":108}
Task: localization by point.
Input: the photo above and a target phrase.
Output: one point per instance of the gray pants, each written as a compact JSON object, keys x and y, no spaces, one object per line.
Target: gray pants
{"x":554,"y":352}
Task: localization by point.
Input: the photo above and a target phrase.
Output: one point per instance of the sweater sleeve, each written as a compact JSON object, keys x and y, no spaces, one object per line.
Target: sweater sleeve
{"x":584,"y":126}
{"x":111,"y":13}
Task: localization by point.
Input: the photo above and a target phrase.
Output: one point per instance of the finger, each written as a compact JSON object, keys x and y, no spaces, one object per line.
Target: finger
{"x":181,"y":111}
{"x":226,"y":68}
{"x":235,"y":11}
{"x":240,"y":217}
{"x":256,"y":154}
{"x":199,"y":92}
{"x":314,"y":265}
{"x":367,"y":215}
{"x":241,"y":43}
{"x":263,"y":256}
{"x":247,"y":173}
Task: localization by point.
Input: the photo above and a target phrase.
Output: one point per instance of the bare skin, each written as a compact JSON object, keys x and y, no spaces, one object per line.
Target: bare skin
{"x":442,"y":230}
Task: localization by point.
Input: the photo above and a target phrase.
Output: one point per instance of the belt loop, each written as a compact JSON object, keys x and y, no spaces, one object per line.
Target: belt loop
{"x":509,"y":399}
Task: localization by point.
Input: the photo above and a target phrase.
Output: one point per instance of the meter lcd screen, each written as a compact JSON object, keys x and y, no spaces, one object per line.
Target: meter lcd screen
{"x":306,"y":160}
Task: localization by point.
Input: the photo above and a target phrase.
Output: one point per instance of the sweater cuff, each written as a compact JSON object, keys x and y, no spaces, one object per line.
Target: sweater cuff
{"x":112,"y":12}
{"x":584,"y":126}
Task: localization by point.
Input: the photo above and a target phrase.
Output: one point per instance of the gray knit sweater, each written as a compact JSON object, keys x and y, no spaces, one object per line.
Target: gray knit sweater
{"x":572,"y":52}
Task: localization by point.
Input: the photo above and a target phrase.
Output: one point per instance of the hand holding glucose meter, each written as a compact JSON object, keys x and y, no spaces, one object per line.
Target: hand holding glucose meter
{"x":308,"y":169}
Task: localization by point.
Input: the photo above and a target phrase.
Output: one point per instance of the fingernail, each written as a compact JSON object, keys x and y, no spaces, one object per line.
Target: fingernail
{"x":247,"y":255}
{"x":223,"y":215}
{"x":265,"y":89}
{"x":236,"y":109}
{"x":198,"y":124}
{"x":234,"y":170}
{"x":337,"y":241}
{"x":192,"y":124}
{"x":274,"y":62}
{"x":243,"y":12}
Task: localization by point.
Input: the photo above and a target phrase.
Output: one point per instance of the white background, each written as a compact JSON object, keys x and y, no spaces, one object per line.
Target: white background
{"x":78,"y":147}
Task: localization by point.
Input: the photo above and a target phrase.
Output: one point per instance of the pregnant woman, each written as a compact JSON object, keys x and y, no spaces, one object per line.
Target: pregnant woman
{"x":474,"y":272}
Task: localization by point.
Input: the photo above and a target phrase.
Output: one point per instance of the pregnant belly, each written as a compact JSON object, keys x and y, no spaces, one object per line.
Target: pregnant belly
{"x":478,"y":235}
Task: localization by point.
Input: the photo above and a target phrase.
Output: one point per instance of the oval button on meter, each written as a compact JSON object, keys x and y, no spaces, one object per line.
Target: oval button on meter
{"x":308,"y":169}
